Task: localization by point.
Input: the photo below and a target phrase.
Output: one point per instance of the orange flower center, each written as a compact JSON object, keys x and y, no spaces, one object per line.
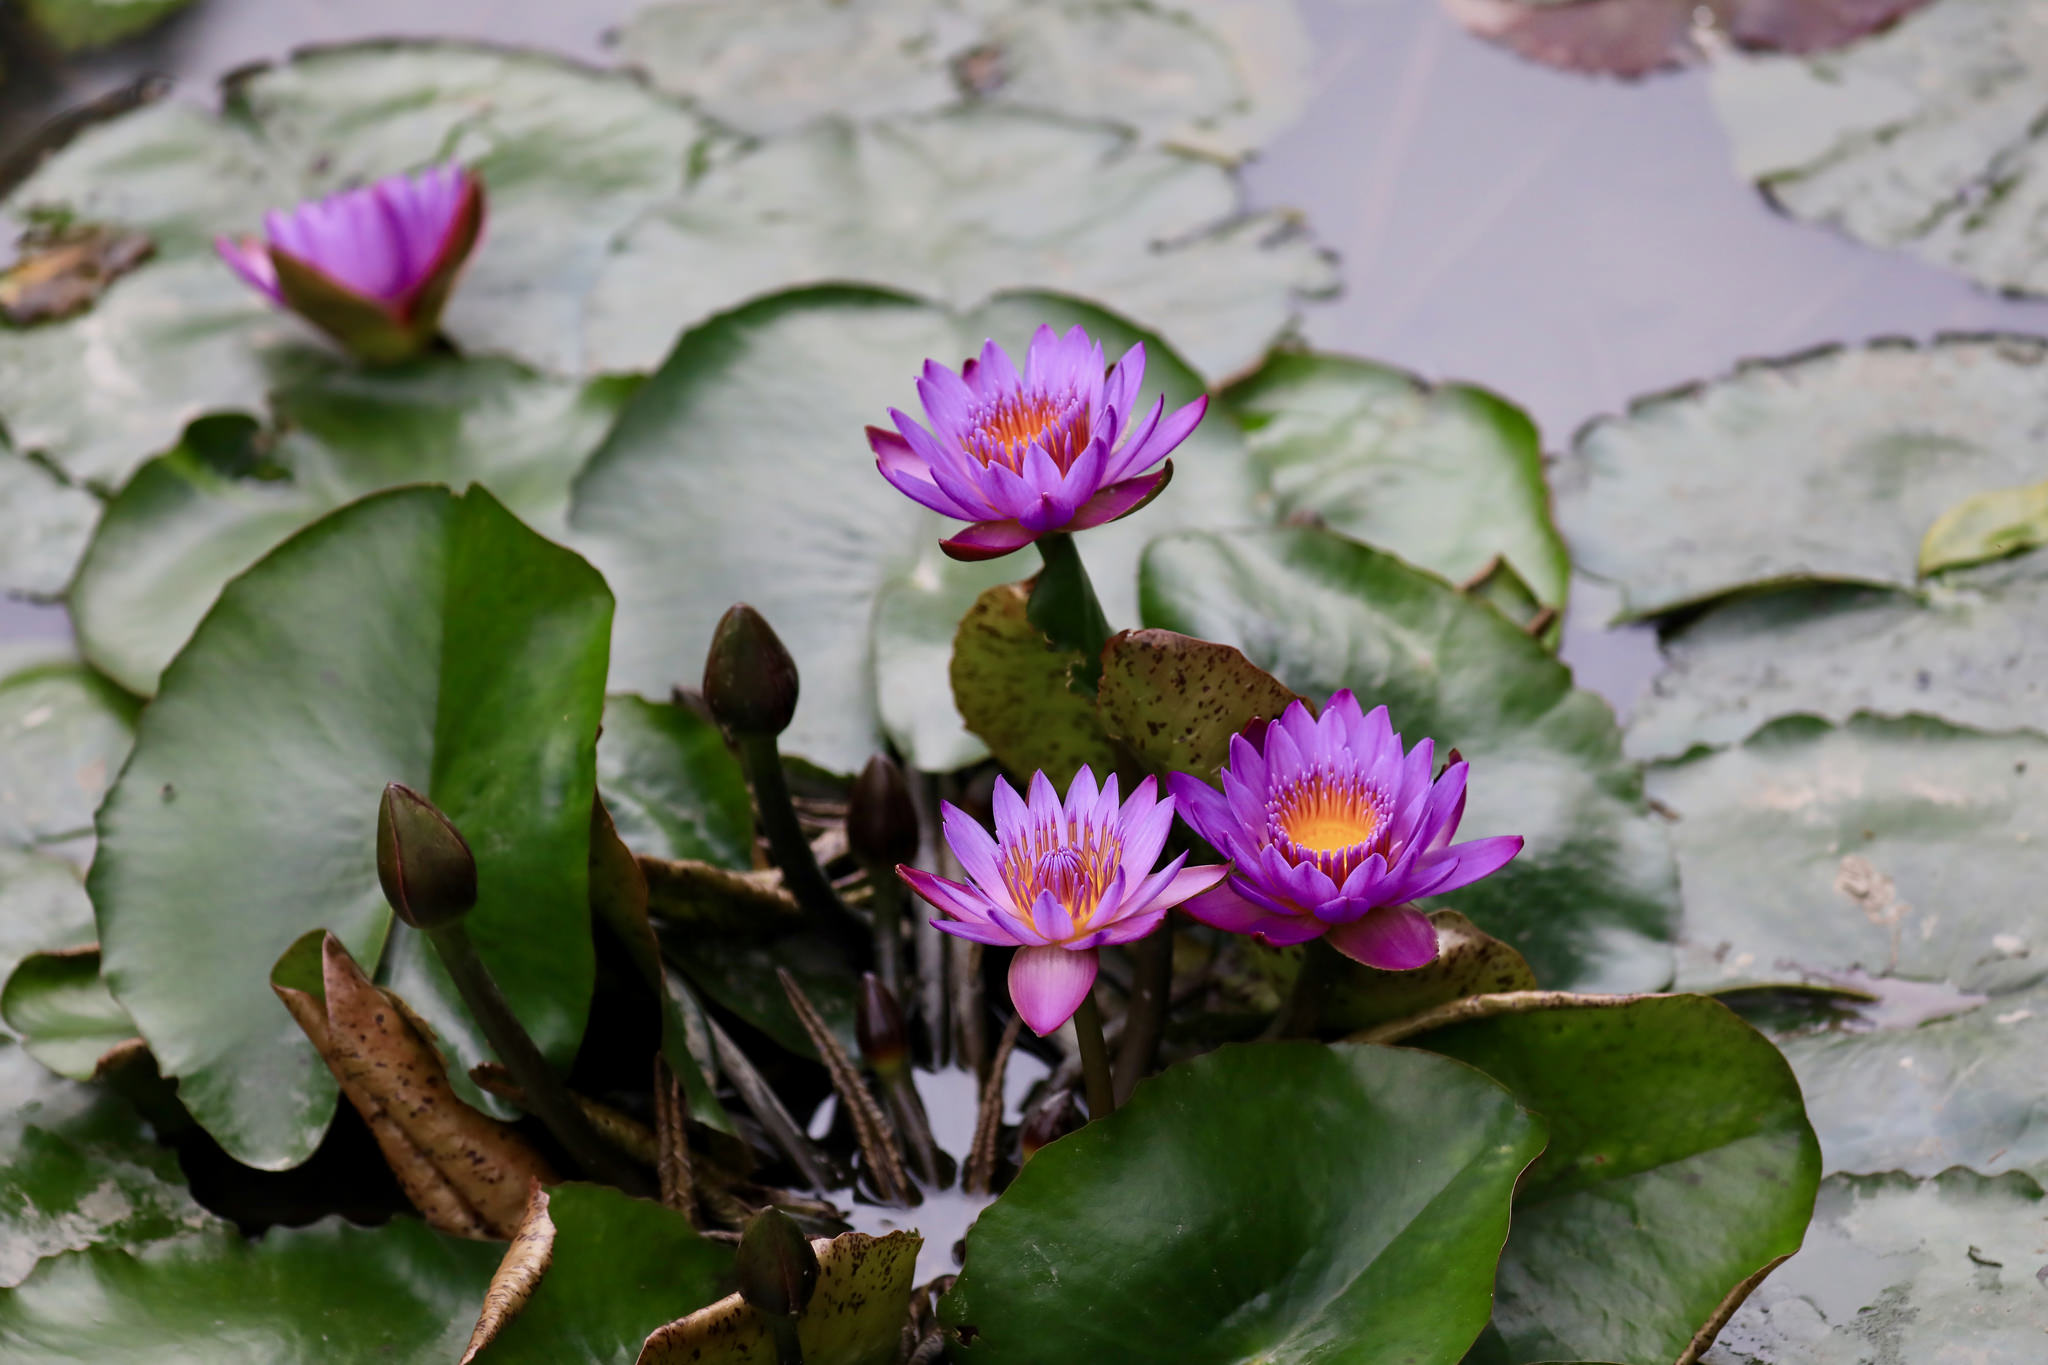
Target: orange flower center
{"x":1334,"y":821}
{"x":1004,"y":431}
{"x":1075,"y":863}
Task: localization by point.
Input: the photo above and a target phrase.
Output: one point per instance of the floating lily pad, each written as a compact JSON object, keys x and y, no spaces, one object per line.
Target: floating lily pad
{"x":64,"y":732}
{"x":1012,"y":688}
{"x":1448,"y":477}
{"x":1905,"y":1270}
{"x":1636,"y":37}
{"x":756,"y":422}
{"x":1177,"y":701}
{"x":961,"y":206}
{"x":1468,"y":962}
{"x":1680,"y":1164}
{"x":1830,"y":465}
{"x":1926,"y":138}
{"x":300,"y":1296}
{"x":1900,"y":847}
{"x":413,"y":637}
{"x":1189,"y":1227}
{"x":1592,"y":900}
{"x":1970,"y":647}
{"x":48,"y":523}
{"x":183,"y":526}
{"x":917,"y":623}
{"x":672,"y":786}
{"x":43,"y":905}
{"x":60,"y":1009}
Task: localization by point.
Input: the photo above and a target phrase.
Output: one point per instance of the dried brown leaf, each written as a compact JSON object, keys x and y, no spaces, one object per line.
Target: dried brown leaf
{"x":61,"y":273}
{"x":856,"y":1316}
{"x":717,"y":900}
{"x":979,"y":1177}
{"x":870,"y":1125}
{"x":518,"y":1275}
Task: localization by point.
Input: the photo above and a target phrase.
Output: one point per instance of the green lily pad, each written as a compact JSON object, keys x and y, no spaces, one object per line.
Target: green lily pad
{"x":755,"y":421}
{"x":60,"y":1009}
{"x":1970,"y":647}
{"x":961,"y":206}
{"x":183,"y":526}
{"x":1189,"y":1227}
{"x":1830,"y":465}
{"x":43,"y":905}
{"x":1899,"y":847}
{"x":76,"y":24}
{"x":620,"y":1268}
{"x":1896,"y":1269}
{"x":1680,"y":1164}
{"x":414,"y":637}
{"x":64,"y":731}
{"x":739,"y":974}
{"x":78,"y":1169}
{"x":1926,"y":138}
{"x":301,"y":1296}
{"x":1448,"y":477}
{"x":1012,"y":688}
{"x":917,"y":623}
{"x":48,"y":523}
{"x":672,"y":786}
{"x":1592,"y":900}
{"x":1990,"y":525}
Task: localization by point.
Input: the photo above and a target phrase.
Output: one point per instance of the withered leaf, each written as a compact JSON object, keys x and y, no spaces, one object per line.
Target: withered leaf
{"x":717,"y":900}
{"x":856,"y":1316}
{"x":518,"y":1275}
{"x":60,"y":273}
{"x":877,"y":1137}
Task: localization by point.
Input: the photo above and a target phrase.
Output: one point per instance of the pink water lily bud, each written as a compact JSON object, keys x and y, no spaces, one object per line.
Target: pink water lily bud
{"x":1059,"y":447}
{"x":1058,"y":881}
{"x":372,"y":267}
{"x":1333,"y":829}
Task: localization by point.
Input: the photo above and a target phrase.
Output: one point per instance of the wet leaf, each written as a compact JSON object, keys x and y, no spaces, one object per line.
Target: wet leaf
{"x":57,"y":1005}
{"x":960,"y":206}
{"x":855,"y":1317}
{"x":673,"y":788}
{"x":1829,"y":465}
{"x":704,"y":898}
{"x":414,"y":637}
{"x":1680,"y":1163}
{"x":526,"y":1260}
{"x":1592,"y":900}
{"x":1448,"y":477}
{"x":1990,"y":525}
{"x":616,"y":1269}
{"x":1176,"y":701}
{"x":465,"y":1172}
{"x":1913,"y":1270}
{"x":57,"y":274}
{"x":1013,"y":688}
{"x":1105,"y":1246}
{"x":1468,"y":962}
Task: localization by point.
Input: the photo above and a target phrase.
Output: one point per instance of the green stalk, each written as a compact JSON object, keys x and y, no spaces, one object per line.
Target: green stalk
{"x":1063,"y":605}
{"x":1094,"y":1059}
{"x":887,"y":908}
{"x":1320,"y":967}
{"x":546,"y":1096}
{"x":1145,"y":1015}
{"x":761,"y":761}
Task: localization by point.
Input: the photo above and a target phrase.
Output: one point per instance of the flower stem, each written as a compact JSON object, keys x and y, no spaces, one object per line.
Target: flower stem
{"x":1145,"y":1016}
{"x":549,"y":1100}
{"x":789,"y":1347}
{"x":887,"y":907}
{"x":1094,"y":1059}
{"x":761,"y":761}
{"x":1320,"y":968}
{"x":1063,"y":605}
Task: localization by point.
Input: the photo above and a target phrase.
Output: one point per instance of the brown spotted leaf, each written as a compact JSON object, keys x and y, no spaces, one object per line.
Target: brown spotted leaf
{"x":855,"y":1318}
{"x":467,"y":1173}
{"x":1637,"y":37}
{"x":518,"y":1275}
{"x":1011,"y":687}
{"x":718,"y":900}
{"x":1177,"y":700}
{"x":60,"y":273}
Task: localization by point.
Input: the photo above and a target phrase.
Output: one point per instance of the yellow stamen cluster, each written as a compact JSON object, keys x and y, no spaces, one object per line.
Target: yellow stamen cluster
{"x":1071,"y":860}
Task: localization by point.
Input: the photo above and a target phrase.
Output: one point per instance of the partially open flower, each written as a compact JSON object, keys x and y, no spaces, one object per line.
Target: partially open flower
{"x":1334,"y":829}
{"x":1058,"y":882}
{"x":372,"y":267}
{"x":1057,"y":448}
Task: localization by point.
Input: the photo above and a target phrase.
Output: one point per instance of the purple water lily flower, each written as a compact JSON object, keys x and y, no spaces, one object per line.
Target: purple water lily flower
{"x":1333,"y":830}
{"x":373,"y":266}
{"x":1058,"y":882}
{"x":1054,"y":449}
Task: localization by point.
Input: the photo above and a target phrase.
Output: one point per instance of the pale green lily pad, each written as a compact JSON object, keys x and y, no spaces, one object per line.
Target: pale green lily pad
{"x":1901,"y":1270}
{"x":64,"y":732}
{"x":1592,"y":900}
{"x":960,"y":206}
{"x":1899,"y":847}
{"x":43,"y":905}
{"x":1830,"y":465}
{"x":1448,"y":477}
{"x":1970,"y":647}
{"x":63,"y":1013}
{"x":1926,"y":138}
{"x":48,"y":523}
{"x":755,"y":422}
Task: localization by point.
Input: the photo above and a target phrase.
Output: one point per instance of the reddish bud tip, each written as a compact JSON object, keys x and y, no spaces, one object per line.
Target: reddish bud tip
{"x":878,"y":1025}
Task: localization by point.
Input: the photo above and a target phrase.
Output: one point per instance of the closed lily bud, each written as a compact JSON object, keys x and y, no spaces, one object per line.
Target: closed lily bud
{"x":749,"y":678}
{"x":778,"y":1270}
{"x":427,"y":870}
{"x":881,"y":819}
{"x":878,"y":1026}
{"x":1052,"y":1119}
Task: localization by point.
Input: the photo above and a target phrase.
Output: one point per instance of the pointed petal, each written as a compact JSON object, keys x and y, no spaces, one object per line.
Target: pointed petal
{"x":1126,"y":461}
{"x":988,"y":540}
{"x":1048,"y":984}
{"x":1050,"y":916}
{"x":975,"y":933}
{"x":1395,"y":938}
{"x":250,"y":259}
{"x":1170,"y":433}
{"x":1121,"y":499}
{"x":979,"y":857}
{"x":1223,"y":908}
{"x":961,"y":902}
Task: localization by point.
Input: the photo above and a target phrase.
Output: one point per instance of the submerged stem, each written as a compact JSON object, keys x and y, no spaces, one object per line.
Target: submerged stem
{"x":1063,"y":605}
{"x":1094,"y":1059}
{"x":761,"y":761}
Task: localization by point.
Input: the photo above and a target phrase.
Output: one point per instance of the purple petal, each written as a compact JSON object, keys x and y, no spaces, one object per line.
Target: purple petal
{"x":988,"y":540}
{"x":250,"y":259}
{"x":1082,"y":795}
{"x":923,"y":491}
{"x":1013,"y":817}
{"x":1126,"y":461}
{"x":1042,"y":799}
{"x":1049,"y":915}
{"x":975,"y":933}
{"x":1475,"y":859}
{"x":1203,"y":807}
{"x":1129,"y":929}
{"x":1222,"y":907}
{"x":961,"y":902}
{"x":1120,"y":390}
{"x":1120,"y":499}
{"x":979,"y":857}
{"x":1395,"y":938}
{"x":1173,"y":884}
{"x":1048,"y":984}
{"x":1170,"y":433}
{"x":996,"y":375}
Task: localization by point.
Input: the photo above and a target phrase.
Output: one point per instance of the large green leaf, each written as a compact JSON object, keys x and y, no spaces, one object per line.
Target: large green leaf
{"x":1901,"y":1270}
{"x":1680,"y":1164}
{"x":1926,"y":138}
{"x":1445,"y":476}
{"x":414,"y":637}
{"x":1970,"y":647}
{"x":672,"y":786}
{"x":183,"y":527}
{"x":1898,"y":847}
{"x":397,"y":1295}
{"x":960,"y":206}
{"x":749,"y":440}
{"x":78,"y":1169}
{"x":1829,"y":465}
{"x":43,"y":905}
{"x":1591,"y":901}
{"x":620,"y":1268}
{"x":64,"y":731}
{"x":1191,"y":1227}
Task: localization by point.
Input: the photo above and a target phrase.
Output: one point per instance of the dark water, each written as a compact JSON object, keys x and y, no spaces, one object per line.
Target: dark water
{"x":1568,"y":242}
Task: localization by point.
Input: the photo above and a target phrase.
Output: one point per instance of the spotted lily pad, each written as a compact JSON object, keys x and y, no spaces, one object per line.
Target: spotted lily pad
{"x":1636,"y":37}
{"x":1012,"y":688}
{"x":1176,"y":701}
